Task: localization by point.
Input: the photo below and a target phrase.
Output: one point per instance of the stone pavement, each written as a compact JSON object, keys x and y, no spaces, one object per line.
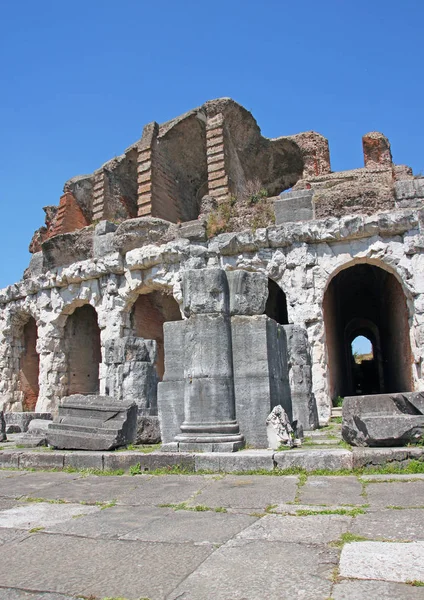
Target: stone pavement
{"x":218,"y":537}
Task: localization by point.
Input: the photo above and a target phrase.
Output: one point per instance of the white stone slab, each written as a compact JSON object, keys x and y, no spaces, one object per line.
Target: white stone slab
{"x":387,"y":561}
{"x":42,"y":514}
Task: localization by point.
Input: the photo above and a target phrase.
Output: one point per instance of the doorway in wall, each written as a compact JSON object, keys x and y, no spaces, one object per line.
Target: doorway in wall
{"x":366,"y":301}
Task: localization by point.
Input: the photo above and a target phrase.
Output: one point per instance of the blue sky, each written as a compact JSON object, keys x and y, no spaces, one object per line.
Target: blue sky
{"x":80,"y":79}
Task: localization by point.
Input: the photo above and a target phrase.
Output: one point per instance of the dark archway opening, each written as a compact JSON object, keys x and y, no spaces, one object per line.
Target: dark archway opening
{"x":149,"y":313}
{"x":82,"y":336}
{"x":276,"y":304}
{"x":365,"y":300}
{"x":29,"y":366}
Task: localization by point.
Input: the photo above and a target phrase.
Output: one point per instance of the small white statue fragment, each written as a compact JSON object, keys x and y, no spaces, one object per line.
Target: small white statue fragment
{"x":279,"y":430}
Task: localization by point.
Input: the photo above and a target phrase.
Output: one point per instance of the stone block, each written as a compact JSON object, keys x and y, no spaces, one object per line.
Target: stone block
{"x":38,"y":427}
{"x":67,"y":248}
{"x":139,"y":384}
{"x":207,"y":347}
{"x":35,"y":267}
{"x":248,"y":292}
{"x":130,"y":349}
{"x":103,"y":244}
{"x":135,"y":233}
{"x":253,"y":405}
{"x":170,"y":447}
{"x":83,"y":460}
{"x":148,"y":430}
{"x":174,"y":332}
{"x":383,"y":419}
{"x":18,"y":422}
{"x":105,"y":227}
{"x":394,"y":561}
{"x":260,"y":374}
{"x":246,"y":461}
{"x":93,"y":423}
{"x":294,"y":206}
{"x":375,"y":457}
{"x":9,"y":459}
{"x":303,"y":401}
{"x":409,"y":189}
{"x":41,"y":460}
{"x":147,"y":462}
{"x":206,"y":400}
{"x":170,"y":409}
{"x":200,"y":446}
{"x":193,"y":230}
{"x":29,"y":440}
{"x":205,"y":291}
{"x":207,"y":461}
{"x":312,"y":460}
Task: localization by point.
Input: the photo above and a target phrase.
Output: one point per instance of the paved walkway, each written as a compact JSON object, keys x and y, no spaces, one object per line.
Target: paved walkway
{"x":201,"y":537}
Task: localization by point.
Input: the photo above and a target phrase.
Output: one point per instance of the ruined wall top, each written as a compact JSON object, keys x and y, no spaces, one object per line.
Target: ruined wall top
{"x":212,"y":163}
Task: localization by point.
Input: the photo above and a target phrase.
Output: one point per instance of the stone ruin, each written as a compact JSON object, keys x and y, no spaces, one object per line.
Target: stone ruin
{"x":210,"y":274}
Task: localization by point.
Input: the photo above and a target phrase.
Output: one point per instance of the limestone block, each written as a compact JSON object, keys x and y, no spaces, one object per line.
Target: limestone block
{"x":93,"y":423}
{"x":38,"y":426}
{"x":383,"y":419}
{"x":103,"y":244}
{"x":205,"y":291}
{"x":248,"y":292}
{"x":253,"y":403}
{"x":18,"y":422}
{"x":260,"y":374}
{"x":128,"y":349}
{"x":208,"y":400}
{"x":170,"y":409}
{"x":35,"y":267}
{"x":407,"y":189}
{"x":139,"y":384}
{"x":207,"y":347}
{"x":193,"y":230}
{"x":148,"y":430}
{"x":104,"y":227}
{"x":304,"y":405}
{"x":68,"y":248}
{"x":173,"y":333}
{"x":135,"y":381}
{"x":294,"y":206}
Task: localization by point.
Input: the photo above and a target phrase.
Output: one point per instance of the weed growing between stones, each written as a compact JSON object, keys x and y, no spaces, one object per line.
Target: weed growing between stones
{"x":135,"y":469}
{"x":31,"y":499}
{"x":416,"y":583}
{"x":35,"y":529}
{"x":104,"y":505}
{"x":347,"y":538}
{"x":348,"y":512}
{"x":195,"y":508}
{"x":303,"y":477}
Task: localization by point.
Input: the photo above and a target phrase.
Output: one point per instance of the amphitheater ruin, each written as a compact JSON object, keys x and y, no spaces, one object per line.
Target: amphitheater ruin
{"x":209,"y":274}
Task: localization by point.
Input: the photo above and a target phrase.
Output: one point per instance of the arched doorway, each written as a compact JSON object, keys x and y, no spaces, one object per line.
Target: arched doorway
{"x":276,"y":304}
{"x":149,"y":313}
{"x":29,"y":362}
{"x":368,"y":301}
{"x":82,"y":340}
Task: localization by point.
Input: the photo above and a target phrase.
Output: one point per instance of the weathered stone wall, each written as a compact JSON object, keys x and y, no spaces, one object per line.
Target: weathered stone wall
{"x":301,"y":258}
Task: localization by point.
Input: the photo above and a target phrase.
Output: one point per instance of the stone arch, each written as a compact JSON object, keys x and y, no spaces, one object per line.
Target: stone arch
{"x":276,"y":304}
{"x":148,"y":312}
{"x":82,"y":349}
{"x":367,"y":296}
